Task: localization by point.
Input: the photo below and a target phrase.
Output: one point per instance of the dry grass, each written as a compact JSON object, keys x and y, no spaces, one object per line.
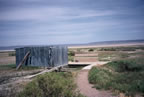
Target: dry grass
{"x":107,"y":53}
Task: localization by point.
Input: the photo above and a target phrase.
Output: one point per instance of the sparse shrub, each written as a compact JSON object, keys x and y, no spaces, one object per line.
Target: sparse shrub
{"x":51,"y":85}
{"x":107,"y":49}
{"x":71,"y":58}
{"x":78,"y":50}
{"x":125,"y":66}
{"x":12,"y":54}
{"x":120,"y":48}
{"x":71,"y":53}
{"x":91,"y":50}
{"x":76,"y":60}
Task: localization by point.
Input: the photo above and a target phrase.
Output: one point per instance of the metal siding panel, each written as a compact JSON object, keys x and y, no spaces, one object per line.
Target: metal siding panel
{"x":49,"y":56}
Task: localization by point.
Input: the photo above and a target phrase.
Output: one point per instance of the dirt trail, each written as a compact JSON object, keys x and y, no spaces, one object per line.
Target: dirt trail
{"x":86,"y":89}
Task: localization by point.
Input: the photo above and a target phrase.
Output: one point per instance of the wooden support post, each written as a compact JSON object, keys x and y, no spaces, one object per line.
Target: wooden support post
{"x":24,"y":59}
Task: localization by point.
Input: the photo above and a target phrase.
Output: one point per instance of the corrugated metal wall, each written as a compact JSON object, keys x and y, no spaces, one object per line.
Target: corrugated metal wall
{"x":48,"y":56}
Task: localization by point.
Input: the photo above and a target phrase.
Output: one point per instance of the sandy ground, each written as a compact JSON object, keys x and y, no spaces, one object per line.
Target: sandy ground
{"x":86,"y":59}
{"x":7,"y":60}
{"x":111,"y":45}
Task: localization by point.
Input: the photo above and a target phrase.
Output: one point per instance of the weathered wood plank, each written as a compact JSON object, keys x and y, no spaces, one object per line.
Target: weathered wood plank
{"x":45,"y":71}
{"x":24,"y":59}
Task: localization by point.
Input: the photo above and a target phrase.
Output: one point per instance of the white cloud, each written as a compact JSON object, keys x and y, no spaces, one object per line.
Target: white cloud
{"x":51,"y":13}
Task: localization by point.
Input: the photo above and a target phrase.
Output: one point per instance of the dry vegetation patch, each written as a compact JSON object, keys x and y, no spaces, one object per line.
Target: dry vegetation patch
{"x":51,"y":85}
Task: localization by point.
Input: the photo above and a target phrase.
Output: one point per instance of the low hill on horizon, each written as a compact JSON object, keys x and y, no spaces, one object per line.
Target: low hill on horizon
{"x":84,"y":44}
{"x":118,"y":42}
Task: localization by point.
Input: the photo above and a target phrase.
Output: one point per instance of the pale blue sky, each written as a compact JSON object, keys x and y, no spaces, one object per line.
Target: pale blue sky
{"x":42,"y":22}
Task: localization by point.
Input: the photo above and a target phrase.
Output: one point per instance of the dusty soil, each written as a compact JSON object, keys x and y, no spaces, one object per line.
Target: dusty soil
{"x":86,"y":59}
{"x":6,"y":59}
{"x":85,"y":56}
{"x":13,"y":81}
{"x":86,"y":89}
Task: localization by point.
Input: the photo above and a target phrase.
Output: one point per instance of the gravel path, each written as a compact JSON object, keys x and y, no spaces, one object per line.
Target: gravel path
{"x":85,"y":88}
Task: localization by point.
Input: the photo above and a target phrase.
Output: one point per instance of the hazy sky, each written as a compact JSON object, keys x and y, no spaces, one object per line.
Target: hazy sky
{"x":26,"y":22}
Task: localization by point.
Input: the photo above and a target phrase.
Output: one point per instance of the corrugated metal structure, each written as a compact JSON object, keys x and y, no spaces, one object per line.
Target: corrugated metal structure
{"x":46,"y":56}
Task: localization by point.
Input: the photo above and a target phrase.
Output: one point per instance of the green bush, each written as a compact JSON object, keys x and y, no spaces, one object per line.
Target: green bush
{"x":126,"y":66}
{"x":91,"y":50}
{"x":71,"y":53}
{"x":125,"y":76}
{"x":102,"y":81}
{"x":107,"y":49}
{"x":71,"y":58}
{"x":51,"y":85}
{"x":12,"y":54}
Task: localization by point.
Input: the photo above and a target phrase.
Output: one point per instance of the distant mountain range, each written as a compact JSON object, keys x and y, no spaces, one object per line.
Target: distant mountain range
{"x":84,"y":44}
